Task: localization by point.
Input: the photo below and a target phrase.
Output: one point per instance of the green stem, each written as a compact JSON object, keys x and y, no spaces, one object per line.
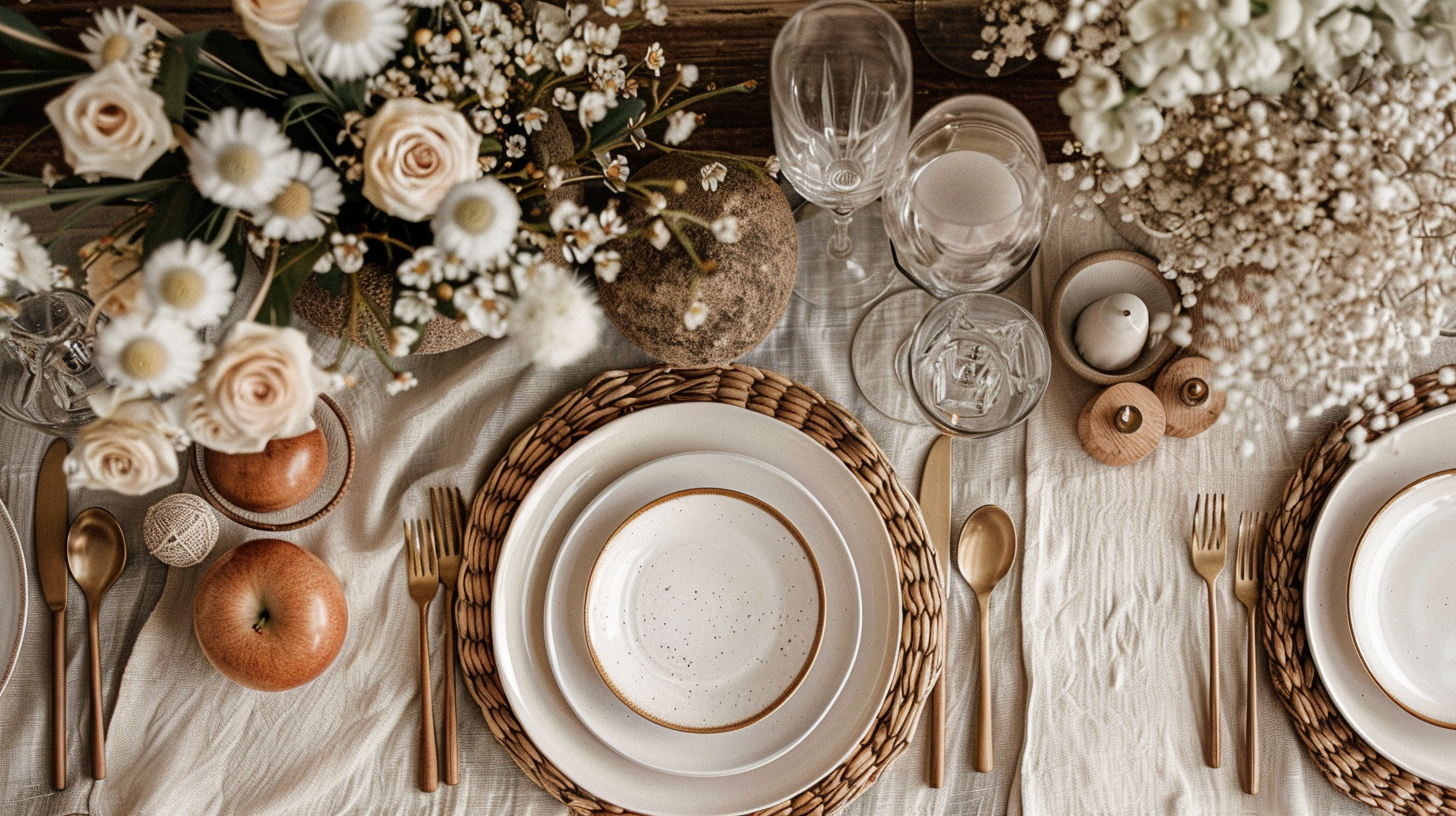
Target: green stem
{"x":227,"y":229}
{"x":268,"y":273}
{"x":107,"y":192}
{"x":23,"y":145}
{"x":17,"y":34}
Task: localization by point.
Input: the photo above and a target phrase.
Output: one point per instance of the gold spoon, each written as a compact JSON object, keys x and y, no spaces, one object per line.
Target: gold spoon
{"x":96,"y":552}
{"x":986,"y":550}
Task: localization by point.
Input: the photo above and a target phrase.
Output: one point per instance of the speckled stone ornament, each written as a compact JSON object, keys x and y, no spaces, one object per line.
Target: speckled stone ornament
{"x":747,"y":292}
{"x":180,"y":530}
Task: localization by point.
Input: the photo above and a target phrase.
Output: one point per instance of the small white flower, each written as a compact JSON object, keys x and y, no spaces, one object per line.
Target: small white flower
{"x":680,"y":125}
{"x":655,"y":11}
{"x":302,"y":210}
{"x":324,"y":264}
{"x":688,"y":75}
{"x":655,"y":59}
{"x":118,"y":36}
{"x":1142,"y":121}
{"x":515,"y":146}
{"x":401,"y":340}
{"x":351,"y":39}
{"x":552,"y":24}
{"x":563,"y":99}
{"x":696,"y":314}
{"x":425,"y":268}
{"x":555,"y":177}
{"x":158,"y":356}
{"x":240,"y":158}
{"x":403,"y":381}
{"x":189,"y":282}
{"x":656,"y":203}
{"x":533,"y":120}
{"x":608,"y":264}
{"x":617,"y":8}
{"x":484,"y":311}
{"x":658,"y":234}
{"x":414,"y":306}
{"x":593,"y":107}
{"x":556,"y":316}
{"x":477,"y":221}
{"x":772,"y":166}
{"x":615,"y":170}
{"x":713,"y":175}
{"x":1097,"y":89}
{"x":725,"y":229}
{"x":613,"y":225}
{"x":348,"y":252}
{"x":601,"y":39}
{"x":571,"y":55}
{"x":24,"y":263}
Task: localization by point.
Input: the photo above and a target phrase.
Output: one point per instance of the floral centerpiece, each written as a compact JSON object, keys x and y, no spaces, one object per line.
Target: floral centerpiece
{"x":1294,"y":160}
{"x":410,"y":135}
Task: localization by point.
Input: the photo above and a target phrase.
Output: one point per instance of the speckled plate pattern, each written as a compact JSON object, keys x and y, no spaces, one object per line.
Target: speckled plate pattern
{"x":705,"y":610}
{"x":634,"y":736}
{"x":1403,"y":601}
{"x":13,"y":598}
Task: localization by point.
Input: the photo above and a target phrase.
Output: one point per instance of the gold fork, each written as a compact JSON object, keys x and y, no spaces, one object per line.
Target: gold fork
{"x":424,"y":581}
{"x":1246,"y":588}
{"x":445,"y":505}
{"x":1209,"y":546}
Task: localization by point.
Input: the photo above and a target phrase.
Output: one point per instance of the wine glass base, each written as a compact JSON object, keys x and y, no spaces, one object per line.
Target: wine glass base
{"x":851,"y":283}
{"x":876,"y":356}
{"x":950,"y":30}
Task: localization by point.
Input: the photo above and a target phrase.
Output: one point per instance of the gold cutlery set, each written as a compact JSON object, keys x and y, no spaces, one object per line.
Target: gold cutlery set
{"x":432,"y":552}
{"x":1208,"y":544}
{"x":92,"y":550}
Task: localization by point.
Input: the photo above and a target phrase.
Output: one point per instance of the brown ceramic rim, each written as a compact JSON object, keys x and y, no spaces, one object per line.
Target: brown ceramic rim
{"x":1070,"y":356}
{"x":20,"y":591}
{"x":808,"y":659}
{"x":1349,"y":592}
{"x":223,"y":507}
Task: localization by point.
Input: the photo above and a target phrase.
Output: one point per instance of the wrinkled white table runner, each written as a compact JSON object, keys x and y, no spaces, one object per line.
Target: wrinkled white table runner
{"x":1099,"y":632}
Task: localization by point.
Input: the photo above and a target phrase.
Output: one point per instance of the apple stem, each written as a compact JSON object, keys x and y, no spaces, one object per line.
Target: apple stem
{"x":262,"y":621}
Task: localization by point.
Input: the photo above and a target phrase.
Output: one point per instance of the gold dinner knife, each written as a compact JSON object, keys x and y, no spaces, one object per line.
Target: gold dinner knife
{"x":935,"y":505}
{"x":50,"y":562}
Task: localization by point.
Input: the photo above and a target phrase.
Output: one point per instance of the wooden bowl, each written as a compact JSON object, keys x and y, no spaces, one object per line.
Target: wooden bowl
{"x":1093,"y":278}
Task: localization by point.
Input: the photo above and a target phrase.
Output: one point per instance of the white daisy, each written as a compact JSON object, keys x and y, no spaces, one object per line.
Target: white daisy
{"x":350,"y":39}
{"x":24,"y":263}
{"x":118,"y":36}
{"x":477,"y":221}
{"x":158,"y":356}
{"x":301,"y":211}
{"x":241,"y":158}
{"x":189,"y":282}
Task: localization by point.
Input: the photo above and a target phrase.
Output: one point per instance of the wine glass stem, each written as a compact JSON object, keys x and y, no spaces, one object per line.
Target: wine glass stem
{"x":840,"y":245}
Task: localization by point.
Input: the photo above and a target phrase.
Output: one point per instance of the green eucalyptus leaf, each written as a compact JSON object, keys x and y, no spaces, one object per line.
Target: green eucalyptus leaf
{"x":36,"y":56}
{"x":352,"y":94}
{"x":618,"y":121}
{"x":179,"y":60}
{"x":295,"y":264}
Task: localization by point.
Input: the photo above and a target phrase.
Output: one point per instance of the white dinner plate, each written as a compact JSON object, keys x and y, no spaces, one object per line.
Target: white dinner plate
{"x":685,"y":753}
{"x":1424,"y":445}
{"x":704,"y":610}
{"x":1403,"y":599}
{"x":529,"y":550}
{"x":14,"y":595}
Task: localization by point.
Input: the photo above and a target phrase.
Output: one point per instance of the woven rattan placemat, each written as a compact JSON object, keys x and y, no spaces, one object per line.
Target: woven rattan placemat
{"x":1347,"y":760}
{"x":615,"y":393}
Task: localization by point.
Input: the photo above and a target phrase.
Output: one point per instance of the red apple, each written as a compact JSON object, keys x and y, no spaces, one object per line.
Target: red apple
{"x":270,"y":615}
{"x":281,"y":475}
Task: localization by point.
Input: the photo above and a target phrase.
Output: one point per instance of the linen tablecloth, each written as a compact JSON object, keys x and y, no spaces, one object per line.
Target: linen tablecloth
{"x":1099,"y":631}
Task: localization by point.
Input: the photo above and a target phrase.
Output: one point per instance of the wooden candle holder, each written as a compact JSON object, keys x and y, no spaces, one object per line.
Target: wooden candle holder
{"x":1121,"y":424}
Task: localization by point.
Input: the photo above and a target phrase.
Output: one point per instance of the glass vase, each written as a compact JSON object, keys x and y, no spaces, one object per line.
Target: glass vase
{"x":47,"y":374}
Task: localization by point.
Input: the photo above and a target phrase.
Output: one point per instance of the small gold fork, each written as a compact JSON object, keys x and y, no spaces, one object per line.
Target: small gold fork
{"x":424,"y":582}
{"x":1252,"y":527}
{"x":445,"y":505}
{"x":1209,"y":545}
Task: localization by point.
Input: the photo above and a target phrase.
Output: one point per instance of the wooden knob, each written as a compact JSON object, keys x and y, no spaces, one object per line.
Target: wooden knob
{"x":1190,"y":403}
{"x":1121,"y":425}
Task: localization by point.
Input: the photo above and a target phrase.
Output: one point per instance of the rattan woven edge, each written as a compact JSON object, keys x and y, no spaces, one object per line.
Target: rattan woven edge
{"x":1347,"y":761}
{"x":614,"y":393}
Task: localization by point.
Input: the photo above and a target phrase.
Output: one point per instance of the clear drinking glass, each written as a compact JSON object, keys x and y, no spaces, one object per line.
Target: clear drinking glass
{"x":46,"y":363}
{"x":968,"y":208}
{"x":840,"y":91}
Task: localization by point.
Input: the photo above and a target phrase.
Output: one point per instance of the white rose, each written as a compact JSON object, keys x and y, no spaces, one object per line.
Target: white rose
{"x":261,"y":385}
{"x":273,"y":23}
{"x":130,"y":449}
{"x":414,"y":152}
{"x":110,"y":124}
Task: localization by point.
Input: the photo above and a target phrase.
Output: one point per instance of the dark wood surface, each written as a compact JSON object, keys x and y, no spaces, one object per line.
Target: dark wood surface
{"x":729,"y":40}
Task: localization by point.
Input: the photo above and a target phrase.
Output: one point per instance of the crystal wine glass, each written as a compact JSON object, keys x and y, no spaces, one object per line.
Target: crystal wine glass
{"x":841,"y":109}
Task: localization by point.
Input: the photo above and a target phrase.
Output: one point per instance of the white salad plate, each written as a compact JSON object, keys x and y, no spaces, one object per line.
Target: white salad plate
{"x":609,"y":718}
{"x":704,"y":610}
{"x":14,"y":596}
{"x":1414,"y":449}
{"x":1403,"y":599}
{"x":541,"y":522}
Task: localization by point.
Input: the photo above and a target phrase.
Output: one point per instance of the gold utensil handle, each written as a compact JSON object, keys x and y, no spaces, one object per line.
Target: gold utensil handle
{"x":1215,"y":707}
{"x":937,"y":732}
{"x":1251,"y":721}
{"x":98,"y":731}
{"x":452,"y":737}
{"x":58,"y":699}
{"x":985,"y":756}
{"x":429,"y":767}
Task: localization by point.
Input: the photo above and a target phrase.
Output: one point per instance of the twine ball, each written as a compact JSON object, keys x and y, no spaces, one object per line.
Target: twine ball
{"x":180,"y":530}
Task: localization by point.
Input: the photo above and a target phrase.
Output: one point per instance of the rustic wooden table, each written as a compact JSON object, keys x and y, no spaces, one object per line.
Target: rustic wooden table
{"x":729,"y":40}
